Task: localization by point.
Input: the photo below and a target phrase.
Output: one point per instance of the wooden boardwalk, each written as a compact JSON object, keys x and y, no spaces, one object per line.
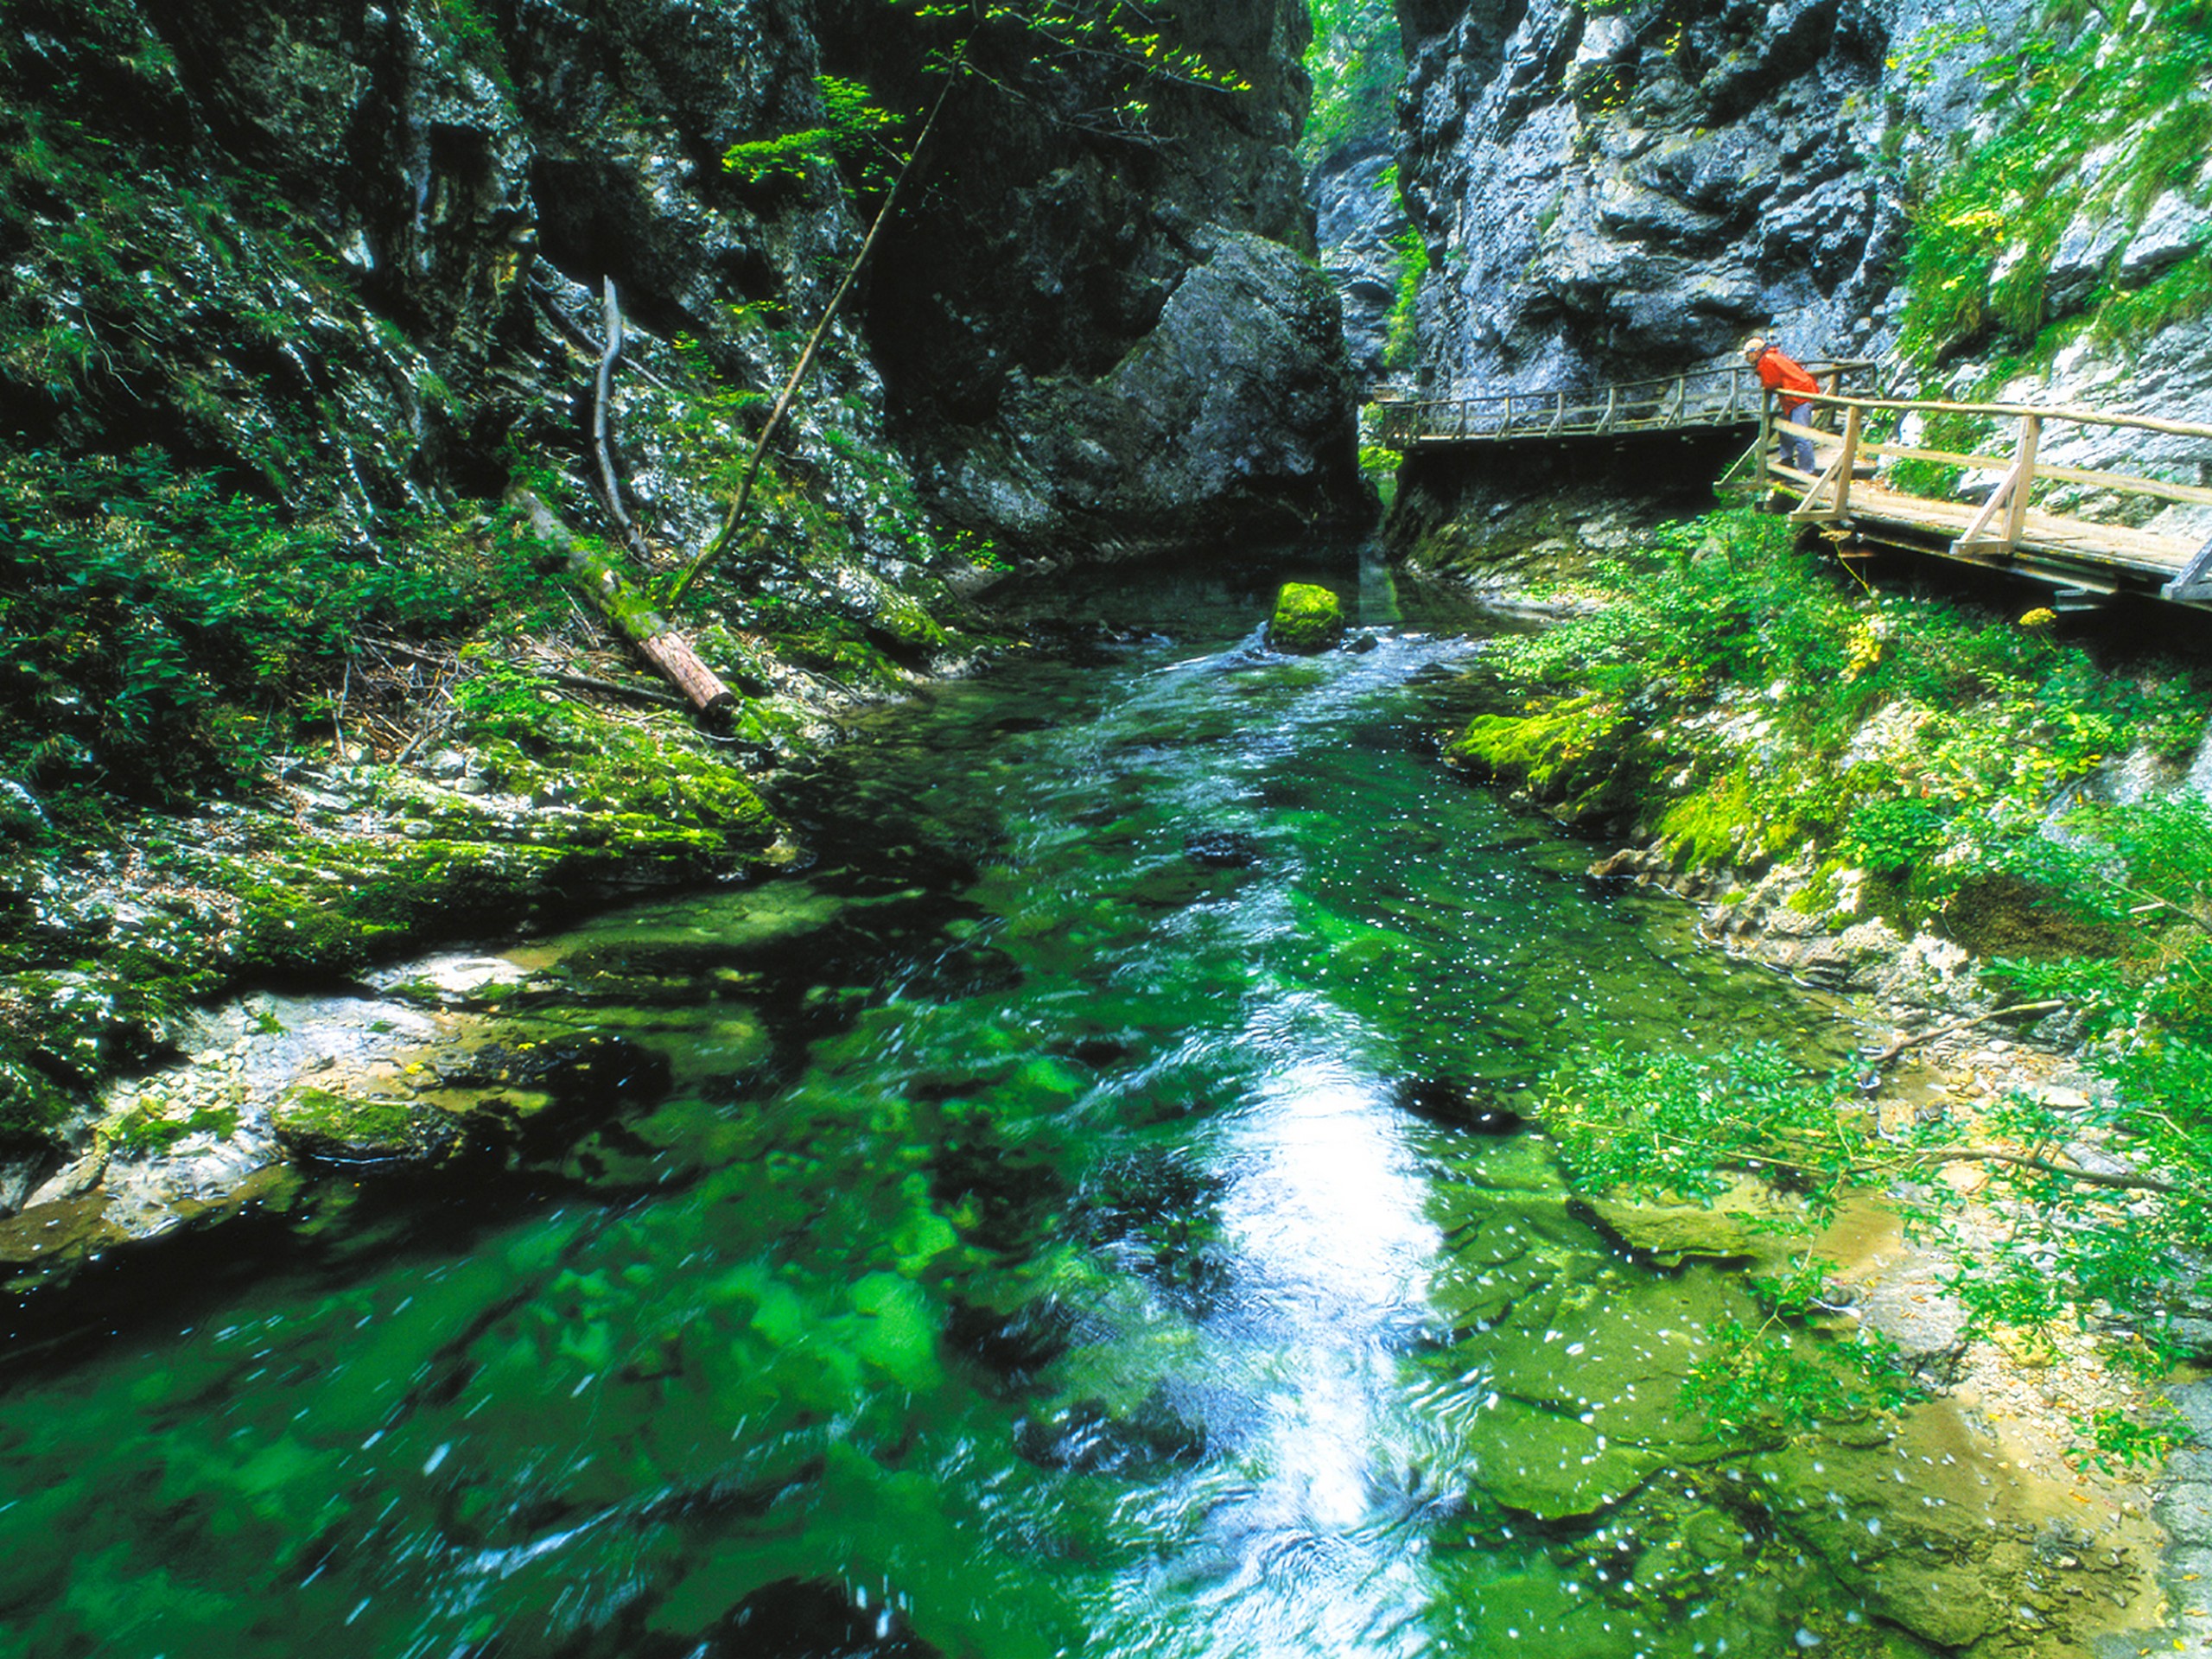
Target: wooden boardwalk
{"x":2077,"y":537}
{"x":1706,"y":400}
{"x":2079,"y":541}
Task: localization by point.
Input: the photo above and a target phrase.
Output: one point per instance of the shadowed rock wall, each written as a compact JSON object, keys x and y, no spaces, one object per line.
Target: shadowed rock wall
{"x":1093,"y":336}
{"x":353,"y":250}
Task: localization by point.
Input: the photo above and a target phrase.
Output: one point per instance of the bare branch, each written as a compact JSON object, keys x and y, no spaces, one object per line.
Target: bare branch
{"x":2071,"y":1172}
{"x":600,"y":390}
{"x":1888,"y":1055}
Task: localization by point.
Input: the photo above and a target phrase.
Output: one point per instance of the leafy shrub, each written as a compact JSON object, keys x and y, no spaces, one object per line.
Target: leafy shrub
{"x":163,"y":626}
{"x":1890,"y":837}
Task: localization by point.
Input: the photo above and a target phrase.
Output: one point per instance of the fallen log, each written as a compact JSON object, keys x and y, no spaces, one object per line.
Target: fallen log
{"x":599,"y":573}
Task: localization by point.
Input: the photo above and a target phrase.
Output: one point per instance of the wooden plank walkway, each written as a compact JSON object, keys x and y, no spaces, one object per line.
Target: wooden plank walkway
{"x":1702,"y":401}
{"x":1999,"y":527}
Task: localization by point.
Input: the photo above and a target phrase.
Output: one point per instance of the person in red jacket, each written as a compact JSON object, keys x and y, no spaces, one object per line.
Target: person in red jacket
{"x":1786,"y":377}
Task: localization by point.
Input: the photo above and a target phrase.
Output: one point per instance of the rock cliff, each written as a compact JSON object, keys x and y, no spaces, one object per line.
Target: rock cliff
{"x":1360,"y":222}
{"x":2010,"y":207}
{"x":1103,"y":335}
{"x":1614,"y":193}
{"x":354,"y":252}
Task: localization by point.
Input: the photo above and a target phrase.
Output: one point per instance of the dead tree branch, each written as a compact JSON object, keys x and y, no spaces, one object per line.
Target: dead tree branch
{"x":784,"y":399}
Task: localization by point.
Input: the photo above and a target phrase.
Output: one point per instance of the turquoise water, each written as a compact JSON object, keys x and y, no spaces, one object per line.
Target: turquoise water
{"x":1046,"y":1243}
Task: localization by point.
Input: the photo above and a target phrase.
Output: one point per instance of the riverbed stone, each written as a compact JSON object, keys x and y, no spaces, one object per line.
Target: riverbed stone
{"x":349,"y":1130}
{"x":1553,"y":1467}
{"x":37,"y":1240}
{"x":1307,"y":619}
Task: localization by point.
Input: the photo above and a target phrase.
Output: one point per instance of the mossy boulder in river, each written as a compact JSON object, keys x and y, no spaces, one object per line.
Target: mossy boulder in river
{"x":1307,"y":619}
{"x":325,"y":1126}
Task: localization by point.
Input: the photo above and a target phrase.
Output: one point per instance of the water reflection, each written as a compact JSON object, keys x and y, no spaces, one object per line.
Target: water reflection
{"x":1324,"y":1212}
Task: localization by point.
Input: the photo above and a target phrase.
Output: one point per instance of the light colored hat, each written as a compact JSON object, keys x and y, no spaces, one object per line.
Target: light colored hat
{"x":1754,"y":343}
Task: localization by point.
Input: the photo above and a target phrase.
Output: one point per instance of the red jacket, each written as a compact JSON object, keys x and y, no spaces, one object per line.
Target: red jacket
{"x":1783,"y":374}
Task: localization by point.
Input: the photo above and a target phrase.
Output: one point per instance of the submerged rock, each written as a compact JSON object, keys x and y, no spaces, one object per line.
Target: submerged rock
{"x":813,"y":1619}
{"x":1457,"y":1105}
{"x":1668,"y":1235}
{"x":351,"y":1131}
{"x":1223,"y":850}
{"x":1307,"y":619}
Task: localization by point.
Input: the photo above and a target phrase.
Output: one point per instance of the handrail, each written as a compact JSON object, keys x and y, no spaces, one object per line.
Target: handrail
{"x":2001,"y":523}
{"x":1715,"y":396}
{"x":2040,"y":411}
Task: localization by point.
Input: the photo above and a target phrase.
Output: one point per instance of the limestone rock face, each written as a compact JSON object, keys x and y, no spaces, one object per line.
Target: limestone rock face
{"x":1614,"y":194}
{"x":1611,"y":193}
{"x":1359,"y":220}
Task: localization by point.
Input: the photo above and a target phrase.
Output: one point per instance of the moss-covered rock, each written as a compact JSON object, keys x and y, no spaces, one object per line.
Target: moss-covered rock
{"x":1668,"y":1235}
{"x":1307,"y":619}
{"x":1567,"y":751}
{"x":352,"y":1130}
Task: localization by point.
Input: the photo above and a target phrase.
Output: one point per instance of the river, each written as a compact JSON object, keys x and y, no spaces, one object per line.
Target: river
{"x":1065,"y":1225}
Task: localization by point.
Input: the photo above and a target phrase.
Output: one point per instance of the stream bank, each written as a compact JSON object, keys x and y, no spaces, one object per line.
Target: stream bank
{"x":1876,"y":790}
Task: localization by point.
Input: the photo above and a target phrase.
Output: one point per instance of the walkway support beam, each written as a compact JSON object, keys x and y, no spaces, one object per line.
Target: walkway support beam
{"x":2010,"y":497}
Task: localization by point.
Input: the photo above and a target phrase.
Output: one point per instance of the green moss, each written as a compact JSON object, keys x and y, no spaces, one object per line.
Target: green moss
{"x":32,"y":1105}
{"x":325,"y":1126}
{"x":1567,"y":750}
{"x":1307,"y":619}
{"x":151,"y":1128}
{"x":1711,"y":826}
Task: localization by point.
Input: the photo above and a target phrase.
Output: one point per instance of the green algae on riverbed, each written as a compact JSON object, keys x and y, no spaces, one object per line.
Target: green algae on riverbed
{"x":1057,"y":1267}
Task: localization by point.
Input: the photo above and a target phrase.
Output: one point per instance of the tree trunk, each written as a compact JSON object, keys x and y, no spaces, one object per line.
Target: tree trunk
{"x":600,"y":574}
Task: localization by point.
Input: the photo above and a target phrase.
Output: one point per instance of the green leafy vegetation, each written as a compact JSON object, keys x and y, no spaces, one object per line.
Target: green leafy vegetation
{"x":852,"y":126}
{"x":1098,"y":66}
{"x":1738,"y":699}
{"x":2095,"y":125}
{"x":1355,"y":60}
{"x":165,"y":631}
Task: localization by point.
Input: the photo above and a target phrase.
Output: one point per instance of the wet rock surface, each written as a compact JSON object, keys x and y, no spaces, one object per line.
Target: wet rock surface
{"x":1103,"y":349}
{"x":1359,"y":220}
{"x":434,"y":1063}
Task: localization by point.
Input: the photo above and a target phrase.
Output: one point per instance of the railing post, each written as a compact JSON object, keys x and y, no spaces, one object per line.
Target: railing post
{"x":1558,"y":408}
{"x":1766,"y":437}
{"x":1612,"y":401}
{"x":1506,"y":430}
{"x":2010,"y":496}
{"x":2024,"y":478}
{"x":1852,"y":417}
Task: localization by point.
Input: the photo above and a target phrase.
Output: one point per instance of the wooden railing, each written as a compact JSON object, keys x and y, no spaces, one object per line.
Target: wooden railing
{"x":1849,"y":459}
{"x":1699,"y":397}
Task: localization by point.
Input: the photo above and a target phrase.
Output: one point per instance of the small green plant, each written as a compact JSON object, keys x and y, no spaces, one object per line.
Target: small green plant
{"x":851,"y":126}
{"x":1402,"y":331}
{"x":1890,"y":837}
